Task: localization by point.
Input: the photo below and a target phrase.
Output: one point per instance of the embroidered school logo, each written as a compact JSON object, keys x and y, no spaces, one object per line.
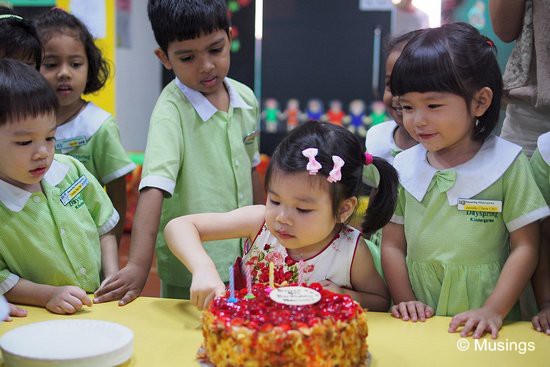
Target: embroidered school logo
{"x":69,"y":196}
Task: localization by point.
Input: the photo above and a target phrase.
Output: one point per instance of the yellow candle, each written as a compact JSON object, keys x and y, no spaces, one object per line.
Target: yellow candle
{"x":271,"y":275}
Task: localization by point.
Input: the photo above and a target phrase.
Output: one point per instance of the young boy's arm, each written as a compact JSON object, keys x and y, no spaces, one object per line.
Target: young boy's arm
{"x":541,"y":283}
{"x":128,"y":283}
{"x":109,"y":255}
{"x":116,"y":190}
{"x":60,"y":300}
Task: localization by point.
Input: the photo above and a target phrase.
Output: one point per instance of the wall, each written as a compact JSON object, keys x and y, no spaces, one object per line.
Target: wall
{"x":138,"y":80}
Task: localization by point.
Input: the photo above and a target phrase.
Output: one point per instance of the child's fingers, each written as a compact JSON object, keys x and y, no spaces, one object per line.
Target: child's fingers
{"x":544,"y":322}
{"x":130,"y":295}
{"x":411,"y":309}
{"x":456,"y":321}
{"x":536,"y":323}
{"x":403,"y":311}
{"x":480,"y":329}
{"x":494,"y":329}
{"x":468,"y":327}
{"x":108,"y":286}
{"x":429,"y":311}
{"x":82,"y":298}
{"x":395,"y":311}
{"x":421,"y":311}
{"x":17,"y":311}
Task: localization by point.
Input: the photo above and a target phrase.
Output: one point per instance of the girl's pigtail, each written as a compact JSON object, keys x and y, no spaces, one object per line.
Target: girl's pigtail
{"x":382,"y":205}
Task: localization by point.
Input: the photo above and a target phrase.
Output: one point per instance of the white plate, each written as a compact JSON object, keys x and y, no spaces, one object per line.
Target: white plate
{"x":67,"y":343}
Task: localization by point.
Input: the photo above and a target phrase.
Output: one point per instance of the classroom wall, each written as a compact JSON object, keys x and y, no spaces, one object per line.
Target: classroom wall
{"x":138,"y":80}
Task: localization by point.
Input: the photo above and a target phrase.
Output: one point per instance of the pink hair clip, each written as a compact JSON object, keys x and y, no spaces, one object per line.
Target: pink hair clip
{"x":368,"y":158}
{"x":336,"y":175}
{"x":312,"y":166}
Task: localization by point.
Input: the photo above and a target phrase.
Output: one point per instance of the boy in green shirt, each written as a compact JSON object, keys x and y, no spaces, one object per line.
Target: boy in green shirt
{"x":55,"y":218}
{"x":201,"y":147}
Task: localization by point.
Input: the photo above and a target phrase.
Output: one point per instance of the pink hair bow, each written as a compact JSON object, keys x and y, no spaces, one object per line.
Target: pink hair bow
{"x":336,"y":175}
{"x":312,"y":166}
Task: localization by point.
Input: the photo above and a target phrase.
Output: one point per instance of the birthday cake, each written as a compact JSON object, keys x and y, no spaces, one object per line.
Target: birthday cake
{"x":262,"y":331}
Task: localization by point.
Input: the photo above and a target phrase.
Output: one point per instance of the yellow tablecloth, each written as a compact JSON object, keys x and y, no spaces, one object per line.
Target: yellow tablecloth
{"x":167,"y":333}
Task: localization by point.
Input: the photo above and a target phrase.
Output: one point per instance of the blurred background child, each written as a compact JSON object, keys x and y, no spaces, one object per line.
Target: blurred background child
{"x":18,"y":39}
{"x":201,"y":148}
{"x":312,"y":184}
{"x":464,"y":238}
{"x":55,"y":218}
{"x":74,"y":66}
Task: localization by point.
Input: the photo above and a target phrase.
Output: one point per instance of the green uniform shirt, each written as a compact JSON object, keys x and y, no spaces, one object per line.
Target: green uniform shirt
{"x":540,"y":163}
{"x":455,"y":255}
{"x":93,"y":138}
{"x":202,"y":159}
{"x":47,"y":242}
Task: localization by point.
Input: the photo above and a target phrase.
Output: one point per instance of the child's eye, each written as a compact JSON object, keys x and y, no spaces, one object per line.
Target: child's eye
{"x":216,"y":50}
{"x":186,"y":59}
{"x":434,"y":106}
{"x":76,"y":65}
{"x":49,"y":65}
{"x":304,"y":210}
{"x":50,"y":138}
{"x":273,"y":202}
{"x":27,"y":142}
{"x":405,"y":108}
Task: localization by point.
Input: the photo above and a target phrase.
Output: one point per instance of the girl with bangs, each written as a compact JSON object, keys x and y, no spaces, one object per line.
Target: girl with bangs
{"x":464,"y":237}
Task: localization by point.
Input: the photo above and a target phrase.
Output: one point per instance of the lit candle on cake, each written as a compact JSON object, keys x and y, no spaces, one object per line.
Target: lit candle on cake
{"x":249,"y":294}
{"x":271,"y":275}
{"x":231,"y":298}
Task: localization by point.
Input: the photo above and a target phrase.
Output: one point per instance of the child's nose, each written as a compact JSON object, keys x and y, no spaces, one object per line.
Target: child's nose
{"x":64,"y":72}
{"x":207,"y":65}
{"x":41,"y":152}
{"x":282,"y":217}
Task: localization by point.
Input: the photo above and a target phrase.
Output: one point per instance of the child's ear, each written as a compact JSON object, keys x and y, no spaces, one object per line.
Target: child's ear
{"x":161,"y":55}
{"x":482,"y":101}
{"x":347,"y":208}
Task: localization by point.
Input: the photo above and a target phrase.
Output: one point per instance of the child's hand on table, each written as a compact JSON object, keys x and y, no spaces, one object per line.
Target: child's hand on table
{"x":126,"y":285}
{"x":67,"y":300}
{"x":206,"y":286}
{"x":328,"y":284}
{"x":541,"y":321}
{"x":477,"y":322}
{"x":412,"y":310}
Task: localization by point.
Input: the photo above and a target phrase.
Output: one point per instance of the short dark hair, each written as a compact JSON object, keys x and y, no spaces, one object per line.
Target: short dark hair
{"x":23,"y":92}
{"x":453,"y":58}
{"x":331,"y":140}
{"x":18,"y":38}
{"x":178,"y":20}
{"x":56,"y":21}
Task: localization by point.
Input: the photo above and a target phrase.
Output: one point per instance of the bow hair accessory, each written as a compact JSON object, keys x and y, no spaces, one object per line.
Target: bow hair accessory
{"x":312,"y":166}
{"x":368,"y":159}
{"x":336,"y":175}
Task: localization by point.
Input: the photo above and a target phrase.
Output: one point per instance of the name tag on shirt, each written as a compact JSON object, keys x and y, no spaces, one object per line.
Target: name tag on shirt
{"x":70,"y":143}
{"x":74,"y":190}
{"x":490,"y":206}
{"x":249,"y":138}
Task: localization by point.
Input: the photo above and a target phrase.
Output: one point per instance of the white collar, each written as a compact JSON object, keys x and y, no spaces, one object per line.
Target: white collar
{"x":85,"y":124}
{"x":15,"y":198}
{"x":202,"y":105}
{"x":485,"y":168}
{"x":543,"y":143}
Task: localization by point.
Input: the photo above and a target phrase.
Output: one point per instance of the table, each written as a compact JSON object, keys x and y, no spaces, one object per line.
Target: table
{"x":167,"y":333}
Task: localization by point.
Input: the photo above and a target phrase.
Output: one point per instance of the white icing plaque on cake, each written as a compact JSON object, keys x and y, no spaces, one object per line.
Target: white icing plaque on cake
{"x":295,"y":296}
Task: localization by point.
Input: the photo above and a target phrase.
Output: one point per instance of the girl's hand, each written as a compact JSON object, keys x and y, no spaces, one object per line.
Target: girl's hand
{"x":206,"y":286}
{"x":477,"y":322}
{"x":541,"y":321}
{"x":328,"y":284}
{"x":15,"y":312}
{"x":67,"y":300}
{"x":412,"y":310}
